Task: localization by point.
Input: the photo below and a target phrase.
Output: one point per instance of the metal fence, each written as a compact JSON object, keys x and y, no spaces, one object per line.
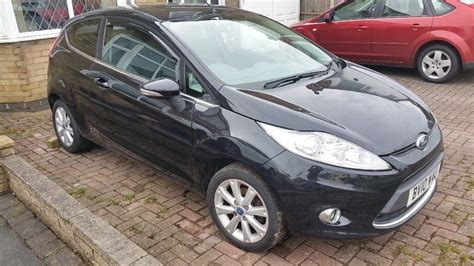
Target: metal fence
{"x":312,"y":8}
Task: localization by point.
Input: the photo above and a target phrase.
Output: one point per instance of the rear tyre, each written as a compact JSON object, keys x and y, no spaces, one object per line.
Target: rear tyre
{"x":67,"y":130}
{"x":244,"y":209}
{"x":438,"y":63}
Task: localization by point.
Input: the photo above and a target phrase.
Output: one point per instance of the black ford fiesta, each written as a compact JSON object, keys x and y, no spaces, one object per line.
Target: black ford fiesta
{"x":281,"y":135}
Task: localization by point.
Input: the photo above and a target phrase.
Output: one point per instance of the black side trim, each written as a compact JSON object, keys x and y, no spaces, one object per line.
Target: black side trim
{"x":468,"y":65}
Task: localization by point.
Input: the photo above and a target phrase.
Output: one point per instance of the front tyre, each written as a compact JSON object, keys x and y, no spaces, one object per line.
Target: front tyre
{"x":67,"y":130}
{"x":244,"y":209}
{"x":438,"y":63}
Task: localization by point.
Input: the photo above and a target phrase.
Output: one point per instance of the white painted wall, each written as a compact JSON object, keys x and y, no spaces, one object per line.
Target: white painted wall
{"x":284,"y":11}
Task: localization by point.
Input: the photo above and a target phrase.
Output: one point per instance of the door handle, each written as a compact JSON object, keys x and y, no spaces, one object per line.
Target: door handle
{"x":102,"y":82}
{"x":362,"y":27}
{"x":415,"y":26}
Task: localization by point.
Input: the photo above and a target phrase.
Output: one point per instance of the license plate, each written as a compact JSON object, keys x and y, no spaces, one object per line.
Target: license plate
{"x":419,"y":189}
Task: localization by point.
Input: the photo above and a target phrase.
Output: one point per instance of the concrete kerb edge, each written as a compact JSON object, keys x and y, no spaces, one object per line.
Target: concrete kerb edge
{"x":93,"y":238}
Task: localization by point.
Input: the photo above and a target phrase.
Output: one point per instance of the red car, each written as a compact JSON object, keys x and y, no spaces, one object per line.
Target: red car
{"x":435,"y":36}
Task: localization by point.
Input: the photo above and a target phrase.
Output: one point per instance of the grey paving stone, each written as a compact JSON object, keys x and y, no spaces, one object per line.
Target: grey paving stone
{"x":6,"y":201}
{"x":29,"y":228}
{"x":13,"y":251}
{"x":65,"y":256}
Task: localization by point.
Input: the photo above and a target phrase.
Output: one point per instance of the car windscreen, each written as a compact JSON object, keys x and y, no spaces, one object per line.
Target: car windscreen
{"x":248,"y":49}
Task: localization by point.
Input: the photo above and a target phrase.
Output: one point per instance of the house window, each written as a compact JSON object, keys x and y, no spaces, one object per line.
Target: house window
{"x":34,"y":15}
{"x":36,"y":19}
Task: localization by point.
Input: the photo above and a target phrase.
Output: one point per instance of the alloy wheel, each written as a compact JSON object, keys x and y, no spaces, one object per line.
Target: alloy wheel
{"x":241,"y":211}
{"x":436,"y":64}
{"x":62,"y":122}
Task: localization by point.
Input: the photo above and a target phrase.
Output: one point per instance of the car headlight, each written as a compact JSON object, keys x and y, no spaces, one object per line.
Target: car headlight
{"x":325,"y":148}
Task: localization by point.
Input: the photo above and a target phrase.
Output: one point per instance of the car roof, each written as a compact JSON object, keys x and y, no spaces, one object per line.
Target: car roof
{"x":182,"y":11}
{"x":162,"y":12}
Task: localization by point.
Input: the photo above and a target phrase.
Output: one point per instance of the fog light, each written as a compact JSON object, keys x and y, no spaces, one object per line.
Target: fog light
{"x":330,"y":216}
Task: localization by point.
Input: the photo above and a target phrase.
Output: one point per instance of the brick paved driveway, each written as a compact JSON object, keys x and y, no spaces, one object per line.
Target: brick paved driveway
{"x":173,"y":224}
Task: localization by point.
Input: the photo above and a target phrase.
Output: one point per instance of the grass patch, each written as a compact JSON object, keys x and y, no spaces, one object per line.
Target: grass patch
{"x":78,"y":192}
{"x":447,"y":248}
{"x":470,"y":182}
{"x":455,"y":217}
{"x":161,"y":211}
{"x":129,"y":196}
{"x":403,"y":249}
{"x":150,"y":200}
{"x":112,"y":201}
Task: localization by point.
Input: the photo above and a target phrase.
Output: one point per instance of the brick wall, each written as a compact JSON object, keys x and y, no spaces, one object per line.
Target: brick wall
{"x":23,"y":69}
{"x":3,"y":181}
{"x":6,"y":149}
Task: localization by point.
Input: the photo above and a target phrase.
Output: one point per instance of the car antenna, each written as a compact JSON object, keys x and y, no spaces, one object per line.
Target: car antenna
{"x":213,"y":9}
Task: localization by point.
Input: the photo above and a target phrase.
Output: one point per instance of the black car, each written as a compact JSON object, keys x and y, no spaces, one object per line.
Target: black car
{"x":279,"y":134}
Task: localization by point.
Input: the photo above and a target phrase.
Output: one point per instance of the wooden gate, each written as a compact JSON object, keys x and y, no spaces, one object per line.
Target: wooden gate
{"x":312,"y":8}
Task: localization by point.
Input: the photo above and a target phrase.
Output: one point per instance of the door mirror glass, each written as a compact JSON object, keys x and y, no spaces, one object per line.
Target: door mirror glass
{"x":404,"y":8}
{"x":160,"y":88}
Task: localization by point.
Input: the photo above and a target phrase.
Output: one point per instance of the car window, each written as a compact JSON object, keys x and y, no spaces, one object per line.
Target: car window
{"x":248,"y":51}
{"x":357,"y":9}
{"x":440,"y":7}
{"x":194,"y":88}
{"x":404,"y":8}
{"x":128,"y":48}
{"x":83,"y":36}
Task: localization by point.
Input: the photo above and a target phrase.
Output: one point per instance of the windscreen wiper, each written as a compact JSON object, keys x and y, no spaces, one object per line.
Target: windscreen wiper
{"x":292,"y":79}
{"x":330,"y":65}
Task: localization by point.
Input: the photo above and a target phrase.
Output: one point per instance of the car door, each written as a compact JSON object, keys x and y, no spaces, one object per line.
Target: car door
{"x":400,"y":25}
{"x":81,"y":39}
{"x":348,"y":34}
{"x":157,"y":129}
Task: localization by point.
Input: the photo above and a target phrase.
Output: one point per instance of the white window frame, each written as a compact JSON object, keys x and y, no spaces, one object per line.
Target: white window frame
{"x":9,"y":32}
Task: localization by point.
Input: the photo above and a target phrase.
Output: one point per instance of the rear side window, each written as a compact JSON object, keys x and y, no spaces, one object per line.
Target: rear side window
{"x":404,"y":8}
{"x":440,"y":7}
{"x":127,"y":47}
{"x":83,"y":35}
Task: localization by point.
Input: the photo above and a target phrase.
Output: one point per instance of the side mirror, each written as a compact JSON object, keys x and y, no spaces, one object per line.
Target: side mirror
{"x":328,"y":16}
{"x":160,"y":88}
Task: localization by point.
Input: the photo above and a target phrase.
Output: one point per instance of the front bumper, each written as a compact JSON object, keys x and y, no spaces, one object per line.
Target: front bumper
{"x":372,"y":203}
{"x":395,"y":214}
